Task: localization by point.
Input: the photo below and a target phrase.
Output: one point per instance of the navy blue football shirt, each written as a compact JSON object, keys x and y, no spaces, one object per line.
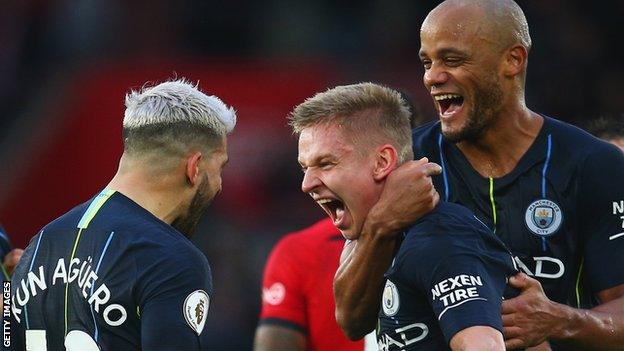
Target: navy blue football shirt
{"x":560,"y":211}
{"x":109,"y":275}
{"x":449,"y":274}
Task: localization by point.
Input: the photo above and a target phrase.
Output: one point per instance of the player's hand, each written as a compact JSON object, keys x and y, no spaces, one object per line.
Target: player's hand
{"x":11,"y":259}
{"x":407,"y":195}
{"x":545,"y":346}
{"x":529,"y":318}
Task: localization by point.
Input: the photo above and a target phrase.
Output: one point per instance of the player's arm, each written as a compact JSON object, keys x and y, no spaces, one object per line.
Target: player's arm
{"x":464,"y":281}
{"x":358,"y":284}
{"x":408,"y":194}
{"x":478,"y":338}
{"x":531,"y":317}
{"x":278,"y":338}
{"x":469,"y":315}
{"x":283,"y":318}
{"x":174,"y":305}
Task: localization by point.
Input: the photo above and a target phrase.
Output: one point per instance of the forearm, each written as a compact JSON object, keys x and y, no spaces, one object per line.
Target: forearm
{"x":276,"y":338}
{"x":545,"y":346}
{"x":478,"y":338}
{"x":601,"y":328}
{"x":358,"y":284}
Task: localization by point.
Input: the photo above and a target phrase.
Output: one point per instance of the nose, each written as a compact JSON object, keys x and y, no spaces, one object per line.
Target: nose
{"x":310,"y":181}
{"x":436,"y":75}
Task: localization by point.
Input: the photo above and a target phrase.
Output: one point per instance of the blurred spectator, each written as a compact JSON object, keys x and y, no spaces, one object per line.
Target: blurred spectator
{"x":9,"y":258}
{"x":8,"y":255}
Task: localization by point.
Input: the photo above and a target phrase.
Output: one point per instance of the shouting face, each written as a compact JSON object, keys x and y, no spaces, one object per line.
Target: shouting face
{"x":338,"y":176}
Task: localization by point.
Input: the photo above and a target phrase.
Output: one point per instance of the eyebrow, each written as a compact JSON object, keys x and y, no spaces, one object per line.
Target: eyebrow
{"x":318,"y":159}
{"x":445,"y":51}
{"x":442,"y":52}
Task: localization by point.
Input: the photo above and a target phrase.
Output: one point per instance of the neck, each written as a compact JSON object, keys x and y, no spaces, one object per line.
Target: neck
{"x":498,"y":150}
{"x":152,"y":192}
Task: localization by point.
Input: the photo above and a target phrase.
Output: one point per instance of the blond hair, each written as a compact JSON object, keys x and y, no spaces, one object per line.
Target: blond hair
{"x":170,"y":117}
{"x":368,"y":112}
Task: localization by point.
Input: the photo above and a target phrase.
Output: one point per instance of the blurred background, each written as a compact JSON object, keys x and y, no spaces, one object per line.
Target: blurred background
{"x":65,"y":66}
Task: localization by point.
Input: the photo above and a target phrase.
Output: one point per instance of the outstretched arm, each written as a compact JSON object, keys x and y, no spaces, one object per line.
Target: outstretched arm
{"x":408,"y":194}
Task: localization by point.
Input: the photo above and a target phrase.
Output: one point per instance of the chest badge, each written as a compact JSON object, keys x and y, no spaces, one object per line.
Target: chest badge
{"x":390,"y":299}
{"x":543,"y":217}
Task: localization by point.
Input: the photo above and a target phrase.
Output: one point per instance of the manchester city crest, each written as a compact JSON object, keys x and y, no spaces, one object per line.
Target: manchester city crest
{"x":543,"y":217}
{"x":390,"y":299}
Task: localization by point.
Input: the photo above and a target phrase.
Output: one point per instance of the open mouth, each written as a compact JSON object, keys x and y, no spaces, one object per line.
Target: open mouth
{"x":449,"y":103}
{"x":334,"y":208}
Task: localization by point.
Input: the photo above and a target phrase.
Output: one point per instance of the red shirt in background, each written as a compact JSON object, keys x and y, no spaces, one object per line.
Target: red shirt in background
{"x":297,"y":286}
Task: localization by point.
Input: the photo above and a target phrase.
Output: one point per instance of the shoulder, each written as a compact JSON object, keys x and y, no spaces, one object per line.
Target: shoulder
{"x":449,"y":230}
{"x":579,"y":156}
{"x":176,"y":264}
{"x":577,"y":143}
{"x":164,"y":253}
{"x":447,"y":218}
{"x":182,"y":252}
{"x":568,"y":133}
{"x":452,"y":218}
{"x":427,"y":130}
{"x":68,"y":220}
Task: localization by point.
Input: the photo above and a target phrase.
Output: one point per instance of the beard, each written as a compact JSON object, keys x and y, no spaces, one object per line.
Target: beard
{"x":487,"y":104}
{"x":187,"y":224}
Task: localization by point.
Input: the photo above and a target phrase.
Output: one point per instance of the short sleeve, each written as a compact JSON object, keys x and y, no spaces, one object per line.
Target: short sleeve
{"x":463,"y":279}
{"x":601,"y":213}
{"x":464,"y":292}
{"x":283,"y":295}
{"x":176,"y":303}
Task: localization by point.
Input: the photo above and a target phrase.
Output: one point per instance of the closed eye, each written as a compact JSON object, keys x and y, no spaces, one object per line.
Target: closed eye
{"x":426,"y":64}
{"x":326,"y":165}
{"x":453,"y":61}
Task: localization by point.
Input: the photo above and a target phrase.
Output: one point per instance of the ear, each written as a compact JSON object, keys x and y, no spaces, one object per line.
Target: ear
{"x":192,"y":168}
{"x":386,"y":160}
{"x":515,"y":61}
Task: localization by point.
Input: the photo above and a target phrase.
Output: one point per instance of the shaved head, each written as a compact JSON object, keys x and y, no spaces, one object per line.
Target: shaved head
{"x":475,"y":55}
{"x":500,"y":22}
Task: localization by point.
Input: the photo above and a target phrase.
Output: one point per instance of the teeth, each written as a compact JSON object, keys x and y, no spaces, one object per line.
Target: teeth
{"x":446,"y":97}
{"x":324,"y":201}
